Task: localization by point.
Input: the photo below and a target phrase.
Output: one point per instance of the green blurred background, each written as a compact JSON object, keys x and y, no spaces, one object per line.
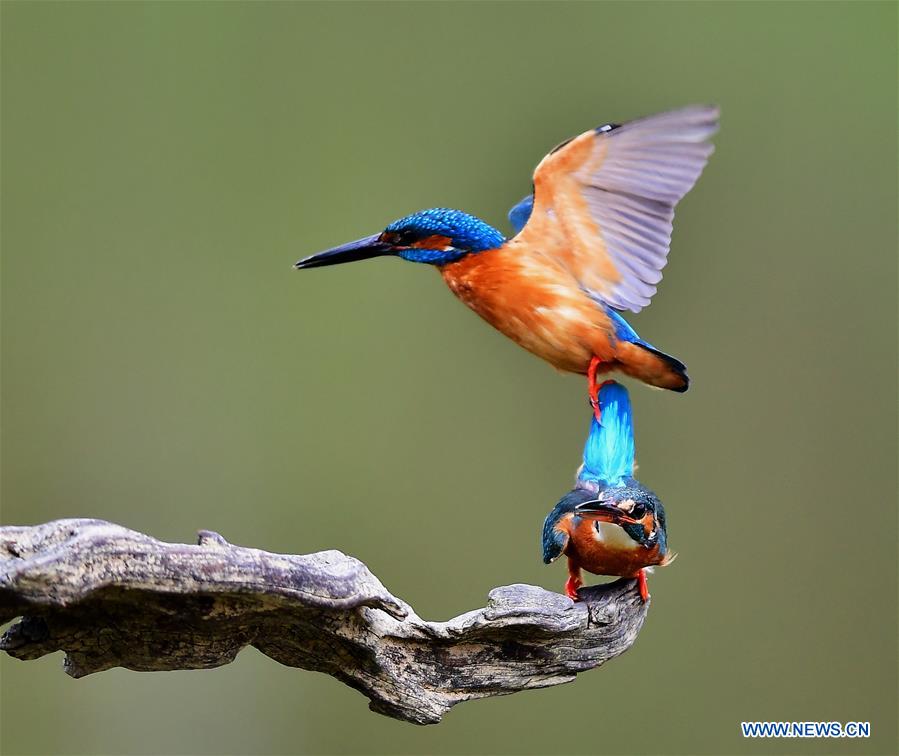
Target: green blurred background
{"x":163,"y":166}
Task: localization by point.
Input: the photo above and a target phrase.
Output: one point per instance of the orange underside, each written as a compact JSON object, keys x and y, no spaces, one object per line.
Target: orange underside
{"x":595,"y":557}
{"x":535,"y":302}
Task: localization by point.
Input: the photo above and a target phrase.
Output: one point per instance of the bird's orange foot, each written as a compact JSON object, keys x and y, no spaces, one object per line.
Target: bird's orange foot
{"x":571,"y":586}
{"x":643,"y":586}
{"x":593,"y":387}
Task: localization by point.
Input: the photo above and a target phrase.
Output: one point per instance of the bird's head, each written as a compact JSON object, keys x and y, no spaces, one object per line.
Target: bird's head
{"x":631,"y":506}
{"x":437,"y":236}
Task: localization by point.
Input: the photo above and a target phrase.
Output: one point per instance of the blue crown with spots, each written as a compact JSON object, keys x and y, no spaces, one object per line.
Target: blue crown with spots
{"x":466,"y":232}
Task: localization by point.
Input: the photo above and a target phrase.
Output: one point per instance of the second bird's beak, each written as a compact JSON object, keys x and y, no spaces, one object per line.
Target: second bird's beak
{"x":361,"y":249}
{"x":603,"y":512}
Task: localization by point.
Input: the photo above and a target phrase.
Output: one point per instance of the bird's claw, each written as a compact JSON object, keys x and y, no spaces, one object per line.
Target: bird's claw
{"x":592,"y":388}
{"x":594,"y":403}
{"x":643,"y":585}
{"x":571,"y":586}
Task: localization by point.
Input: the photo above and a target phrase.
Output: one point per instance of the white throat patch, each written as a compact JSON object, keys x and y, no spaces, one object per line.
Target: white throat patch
{"x":613,"y":536}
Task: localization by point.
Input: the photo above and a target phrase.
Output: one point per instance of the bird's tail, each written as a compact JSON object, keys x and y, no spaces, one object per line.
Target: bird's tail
{"x":646,"y":363}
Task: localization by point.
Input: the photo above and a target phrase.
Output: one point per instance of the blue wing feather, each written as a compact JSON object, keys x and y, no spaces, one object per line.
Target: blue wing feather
{"x":555,"y":541}
{"x":623,"y":330}
{"x":518,"y":215}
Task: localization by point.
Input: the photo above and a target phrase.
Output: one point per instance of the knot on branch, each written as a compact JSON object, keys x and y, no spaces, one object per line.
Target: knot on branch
{"x":113,"y":597}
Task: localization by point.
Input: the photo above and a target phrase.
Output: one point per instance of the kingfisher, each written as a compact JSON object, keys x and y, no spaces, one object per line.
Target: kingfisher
{"x":590,"y":243}
{"x":609,"y":523}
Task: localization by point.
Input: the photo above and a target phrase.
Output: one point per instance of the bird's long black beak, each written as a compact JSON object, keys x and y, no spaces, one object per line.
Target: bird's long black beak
{"x":599,"y":510}
{"x":361,"y":249}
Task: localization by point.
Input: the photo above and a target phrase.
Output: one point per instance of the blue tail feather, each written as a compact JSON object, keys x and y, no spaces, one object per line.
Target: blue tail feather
{"x":675,"y":364}
{"x":609,"y":452}
{"x":624,"y":332}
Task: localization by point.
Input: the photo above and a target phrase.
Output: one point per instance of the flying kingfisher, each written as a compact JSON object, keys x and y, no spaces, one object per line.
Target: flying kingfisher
{"x":609,"y":524}
{"x":591,"y":242}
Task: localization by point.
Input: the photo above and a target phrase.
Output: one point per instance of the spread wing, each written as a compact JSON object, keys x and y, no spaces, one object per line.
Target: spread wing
{"x":604,"y":201}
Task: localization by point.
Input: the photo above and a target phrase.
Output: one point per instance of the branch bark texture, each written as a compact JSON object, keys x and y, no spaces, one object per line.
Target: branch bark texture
{"x":113,"y":597}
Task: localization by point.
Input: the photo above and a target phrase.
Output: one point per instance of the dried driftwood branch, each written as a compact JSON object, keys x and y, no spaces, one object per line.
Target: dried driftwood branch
{"x":112,"y":597}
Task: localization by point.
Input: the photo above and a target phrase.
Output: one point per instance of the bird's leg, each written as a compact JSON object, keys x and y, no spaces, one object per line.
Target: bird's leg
{"x":643,"y":585}
{"x":593,"y":387}
{"x":574,"y":580}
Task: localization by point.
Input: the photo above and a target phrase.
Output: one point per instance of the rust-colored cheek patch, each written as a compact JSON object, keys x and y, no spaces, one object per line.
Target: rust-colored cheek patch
{"x":433,"y":242}
{"x":648,"y":523}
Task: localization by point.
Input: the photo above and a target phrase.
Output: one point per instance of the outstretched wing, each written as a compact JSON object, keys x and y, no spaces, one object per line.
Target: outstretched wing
{"x":604,"y":201}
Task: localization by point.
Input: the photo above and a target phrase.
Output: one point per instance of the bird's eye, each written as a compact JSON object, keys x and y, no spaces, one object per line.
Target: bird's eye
{"x":638,"y":511}
{"x":405,"y":238}
{"x":397,"y":238}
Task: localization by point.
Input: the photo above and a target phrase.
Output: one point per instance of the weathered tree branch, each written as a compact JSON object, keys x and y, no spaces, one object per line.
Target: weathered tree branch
{"x":112,"y":597}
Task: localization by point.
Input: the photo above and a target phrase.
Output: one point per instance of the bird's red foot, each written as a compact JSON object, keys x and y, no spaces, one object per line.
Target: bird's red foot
{"x":571,"y":586}
{"x":593,"y":387}
{"x":643,"y":586}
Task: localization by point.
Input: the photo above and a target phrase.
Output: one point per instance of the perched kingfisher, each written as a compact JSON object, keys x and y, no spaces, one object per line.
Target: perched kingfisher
{"x":591,"y":242}
{"x":609,"y":524}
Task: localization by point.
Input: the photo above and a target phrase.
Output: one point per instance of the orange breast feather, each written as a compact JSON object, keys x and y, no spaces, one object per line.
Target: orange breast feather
{"x":532,"y":299}
{"x":601,"y":558}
